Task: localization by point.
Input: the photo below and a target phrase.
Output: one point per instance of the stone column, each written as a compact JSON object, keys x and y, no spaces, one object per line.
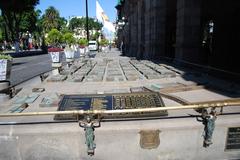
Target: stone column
{"x":160,"y":29}
{"x":139,"y":27}
{"x":133,"y":17}
{"x":188,"y":35}
{"x":148,"y":30}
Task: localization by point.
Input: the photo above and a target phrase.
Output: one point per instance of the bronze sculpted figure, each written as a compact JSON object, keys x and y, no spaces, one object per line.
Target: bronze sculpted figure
{"x":208,"y":120}
{"x":88,"y":124}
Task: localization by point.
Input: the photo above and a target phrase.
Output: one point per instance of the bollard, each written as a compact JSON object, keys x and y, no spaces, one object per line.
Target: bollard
{"x":56,"y":68}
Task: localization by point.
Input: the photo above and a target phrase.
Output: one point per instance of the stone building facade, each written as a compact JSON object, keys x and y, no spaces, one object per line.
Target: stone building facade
{"x":182,"y":31}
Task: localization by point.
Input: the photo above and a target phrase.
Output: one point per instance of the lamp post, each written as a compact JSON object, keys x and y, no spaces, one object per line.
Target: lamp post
{"x":87,"y":20}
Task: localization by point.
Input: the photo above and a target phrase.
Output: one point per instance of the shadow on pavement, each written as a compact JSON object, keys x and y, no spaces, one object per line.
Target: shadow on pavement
{"x":26,"y":53}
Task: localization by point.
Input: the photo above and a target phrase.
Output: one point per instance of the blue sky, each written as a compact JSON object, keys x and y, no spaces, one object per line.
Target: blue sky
{"x":77,"y":7}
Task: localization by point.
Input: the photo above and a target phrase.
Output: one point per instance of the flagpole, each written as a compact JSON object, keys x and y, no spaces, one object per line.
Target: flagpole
{"x":87,"y":20}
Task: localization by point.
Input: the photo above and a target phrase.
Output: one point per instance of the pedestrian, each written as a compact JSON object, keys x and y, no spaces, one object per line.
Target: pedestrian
{"x":121,"y":46}
{"x":21,"y":44}
{"x":16,"y":45}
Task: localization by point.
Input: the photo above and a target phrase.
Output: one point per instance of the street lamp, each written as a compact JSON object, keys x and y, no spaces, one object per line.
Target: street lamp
{"x":87,"y":20}
{"x":122,"y":22}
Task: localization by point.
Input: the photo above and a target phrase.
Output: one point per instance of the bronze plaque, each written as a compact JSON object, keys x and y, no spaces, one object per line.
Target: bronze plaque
{"x":149,"y":139}
{"x":233,"y":139}
{"x":113,"y":102}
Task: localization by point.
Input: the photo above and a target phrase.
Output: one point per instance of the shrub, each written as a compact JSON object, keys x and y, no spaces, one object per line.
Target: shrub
{"x":104,"y":42}
{"x":54,"y":37}
{"x":4,"y":56}
{"x":83,"y":42}
{"x":69,"y":38}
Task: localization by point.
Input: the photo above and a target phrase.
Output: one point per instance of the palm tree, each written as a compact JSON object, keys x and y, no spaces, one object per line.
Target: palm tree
{"x":51,"y":19}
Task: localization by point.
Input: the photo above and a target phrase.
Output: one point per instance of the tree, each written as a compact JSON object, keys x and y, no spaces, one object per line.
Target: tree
{"x":1,"y":29}
{"x":76,"y":23}
{"x":14,"y":12}
{"x":51,"y":19}
{"x":39,"y":28}
{"x":62,"y":23}
{"x":28,"y":22}
{"x":93,"y":24}
{"x":81,"y":23}
{"x":1,"y":35}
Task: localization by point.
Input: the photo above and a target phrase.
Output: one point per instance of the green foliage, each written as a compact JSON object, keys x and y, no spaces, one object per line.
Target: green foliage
{"x":39,"y":23}
{"x":54,"y":37}
{"x":1,"y":28}
{"x":28,"y":22}
{"x":1,"y":35}
{"x":94,"y":24}
{"x":83,"y":42}
{"x":104,"y":42}
{"x":4,"y":56}
{"x":65,"y":30}
{"x":62,"y":23}
{"x":18,"y":6}
{"x":38,"y":32}
{"x":68,"y":38}
{"x":51,"y":19}
{"x":95,"y":36}
{"x":81,"y":23}
{"x":76,"y":23}
{"x":17,"y":16}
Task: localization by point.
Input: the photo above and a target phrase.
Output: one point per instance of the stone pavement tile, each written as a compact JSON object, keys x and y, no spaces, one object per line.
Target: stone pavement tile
{"x":19,"y":99}
{"x":154,"y":76}
{"x":132,"y":78}
{"x":18,"y":108}
{"x":96,"y":72}
{"x":161,"y":86}
{"x":129,"y":70}
{"x":115,"y":78}
{"x":50,"y":101}
{"x":95,"y":76}
{"x":137,"y":89}
{"x":9,"y":148}
{"x":79,"y":74}
{"x":26,"y":98}
{"x":162,"y":70}
{"x":82,"y":72}
{"x":149,"y":72}
{"x":114,"y":74}
{"x":93,"y":79}
{"x":117,"y":91}
{"x":132,"y":75}
{"x":57,"y":78}
{"x":89,"y":80}
{"x":113,"y":70}
{"x":38,"y":90}
{"x":75,"y":78}
{"x":31,"y":98}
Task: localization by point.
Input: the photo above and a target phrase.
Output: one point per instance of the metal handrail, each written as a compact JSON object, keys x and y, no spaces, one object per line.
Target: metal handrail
{"x":198,"y":105}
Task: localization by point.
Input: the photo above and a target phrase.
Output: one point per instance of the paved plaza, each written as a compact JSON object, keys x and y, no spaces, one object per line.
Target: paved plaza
{"x":111,"y":67}
{"x":111,"y":73}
